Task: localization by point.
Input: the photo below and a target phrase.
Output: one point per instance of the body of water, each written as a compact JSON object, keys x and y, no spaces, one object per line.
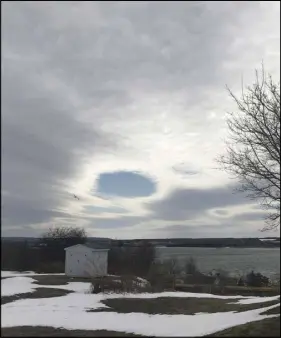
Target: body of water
{"x":233,"y":260}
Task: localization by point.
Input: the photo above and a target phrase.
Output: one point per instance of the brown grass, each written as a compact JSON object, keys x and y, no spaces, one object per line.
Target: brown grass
{"x":41,"y":331}
{"x":169,"y":305}
{"x":38,"y":293}
{"x":263,"y":328}
{"x":230,"y":290}
{"x":273,"y":311}
{"x":57,"y":279}
{"x":119,"y":284}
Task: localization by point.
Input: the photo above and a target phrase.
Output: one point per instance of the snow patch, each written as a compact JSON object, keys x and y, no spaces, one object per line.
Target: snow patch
{"x":256,"y":300}
{"x":69,"y":312}
{"x":5,"y":274}
{"x":18,"y":285}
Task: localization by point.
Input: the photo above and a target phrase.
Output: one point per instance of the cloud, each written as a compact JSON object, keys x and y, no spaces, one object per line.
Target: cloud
{"x":223,"y":230}
{"x":116,"y":223}
{"x":250,"y":216}
{"x":91,"y":88}
{"x":40,"y":141}
{"x":184,"y":204}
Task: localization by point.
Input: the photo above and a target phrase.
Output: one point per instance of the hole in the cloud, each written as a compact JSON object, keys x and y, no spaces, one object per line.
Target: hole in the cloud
{"x":125,"y":184}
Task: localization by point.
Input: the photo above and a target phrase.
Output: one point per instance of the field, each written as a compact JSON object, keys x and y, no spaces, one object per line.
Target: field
{"x":58,"y":306}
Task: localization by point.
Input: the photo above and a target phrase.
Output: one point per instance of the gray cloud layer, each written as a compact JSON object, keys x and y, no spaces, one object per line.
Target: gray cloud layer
{"x":186,"y":204}
{"x":71,"y":72}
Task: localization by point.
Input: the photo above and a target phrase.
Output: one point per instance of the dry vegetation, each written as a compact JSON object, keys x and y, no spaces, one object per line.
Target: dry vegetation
{"x":38,"y":293}
{"x":174,"y":305}
{"x":40,"y":331}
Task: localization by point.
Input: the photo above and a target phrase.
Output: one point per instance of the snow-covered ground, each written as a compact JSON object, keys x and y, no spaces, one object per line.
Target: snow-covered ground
{"x":256,"y":300}
{"x":269,"y":239}
{"x":17,"y":285}
{"x":70,"y":311}
{"x":15,"y":273}
{"x":26,"y":273}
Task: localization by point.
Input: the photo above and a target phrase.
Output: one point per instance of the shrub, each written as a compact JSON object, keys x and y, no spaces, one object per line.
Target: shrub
{"x":190,"y":267}
{"x":163,"y":274}
{"x":256,"y":279}
{"x":131,"y":260}
{"x":275,"y":280}
{"x":50,"y":267}
{"x":119,"y":284}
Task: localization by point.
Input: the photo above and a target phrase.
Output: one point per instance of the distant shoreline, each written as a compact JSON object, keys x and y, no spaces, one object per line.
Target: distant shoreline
{"x":222,"y":247}
{"x":215,"y":243}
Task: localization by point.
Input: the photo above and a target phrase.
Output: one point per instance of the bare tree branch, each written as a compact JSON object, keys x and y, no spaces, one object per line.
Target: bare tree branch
{"x":66,"y":233}
{"x":253,"y":150}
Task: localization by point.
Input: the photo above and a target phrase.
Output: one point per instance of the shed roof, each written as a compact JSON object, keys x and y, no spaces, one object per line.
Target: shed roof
{"x":92,"y":246}
{"x":88,"y":245}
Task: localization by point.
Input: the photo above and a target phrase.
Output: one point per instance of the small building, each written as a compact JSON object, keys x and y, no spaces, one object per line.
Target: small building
{"x":83,"y":260}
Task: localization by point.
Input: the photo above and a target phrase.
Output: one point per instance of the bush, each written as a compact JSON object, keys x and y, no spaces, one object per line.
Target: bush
{"x":119,"y":284}
{"x":191,"y":267}
{"x":166,"y":274}
{"x":275,"y":280}
{"x":131,"y":260}
{"x":50,"y":267}
{"x":256,"y":279}
{"x":163,"y":274}
{"x":56,"y":239}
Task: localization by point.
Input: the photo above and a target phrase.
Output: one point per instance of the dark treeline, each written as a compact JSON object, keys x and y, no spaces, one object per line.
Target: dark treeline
{"x":20,"y":256}
{"x":203,"y":242}
{"x":48,"y":256}
{"x":17,"y":256}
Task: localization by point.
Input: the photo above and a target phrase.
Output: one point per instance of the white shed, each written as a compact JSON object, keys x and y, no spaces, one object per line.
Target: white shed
{"x":82,"y":260}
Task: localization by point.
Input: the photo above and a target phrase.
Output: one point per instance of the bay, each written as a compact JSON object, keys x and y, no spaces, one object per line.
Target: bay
{"x":236,"y":261}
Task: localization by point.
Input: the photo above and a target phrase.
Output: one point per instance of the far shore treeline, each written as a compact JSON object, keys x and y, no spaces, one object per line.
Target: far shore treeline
{"x":23,"y":254}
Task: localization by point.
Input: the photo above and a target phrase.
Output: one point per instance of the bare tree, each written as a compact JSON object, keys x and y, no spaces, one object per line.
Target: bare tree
{"x":253,"y":149}
{"x":56,"y":239}
{"x":67,"y":233}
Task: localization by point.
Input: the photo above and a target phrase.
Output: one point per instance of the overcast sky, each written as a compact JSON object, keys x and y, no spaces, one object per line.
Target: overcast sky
{"x":123,"y":105}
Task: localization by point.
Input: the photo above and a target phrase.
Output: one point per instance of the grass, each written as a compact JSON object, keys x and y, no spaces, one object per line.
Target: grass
{"x":230,"y":290}
{"x":263,"y":328}
{"x":273,"y":311}
{"x":169,"y":305}
{"x":38,"y":293}
{"x":40,"y":331}
{"x":56,"y":279}
{"x":53,"y":279}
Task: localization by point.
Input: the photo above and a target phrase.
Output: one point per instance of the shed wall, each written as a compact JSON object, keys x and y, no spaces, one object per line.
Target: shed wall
{"x":81,"y":261}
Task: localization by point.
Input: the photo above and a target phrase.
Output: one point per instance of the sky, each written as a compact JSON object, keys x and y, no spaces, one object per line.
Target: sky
{"x":123,"y":104}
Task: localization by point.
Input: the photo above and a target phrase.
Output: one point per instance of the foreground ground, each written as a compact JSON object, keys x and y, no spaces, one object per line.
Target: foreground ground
{"x":54,"y":305}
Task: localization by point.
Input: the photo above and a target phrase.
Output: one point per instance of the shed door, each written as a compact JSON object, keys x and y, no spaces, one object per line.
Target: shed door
{"x":78,"y":264}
